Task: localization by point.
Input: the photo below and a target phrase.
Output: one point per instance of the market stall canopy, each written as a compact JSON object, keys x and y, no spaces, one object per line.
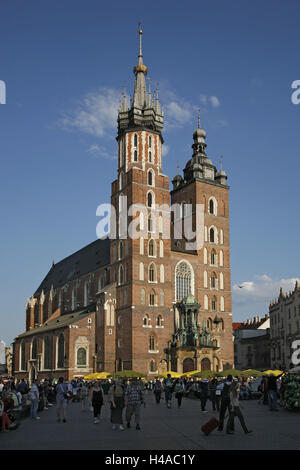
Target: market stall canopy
{"x":275,"y":372}
{"x":128,"y":374}
{"x":97,"y":376}
{"x":295,"y":370}
{"x":172,"y":374}
{"x":191,"y":373}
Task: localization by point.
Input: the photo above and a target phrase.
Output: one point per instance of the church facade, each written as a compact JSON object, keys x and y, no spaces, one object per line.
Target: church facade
{"x":152,"y":302}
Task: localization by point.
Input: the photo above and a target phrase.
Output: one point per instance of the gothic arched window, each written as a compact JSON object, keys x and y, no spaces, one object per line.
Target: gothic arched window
{"x":60,"y":351}
{"x":152,"y":298}
{"x":183,"y":280}
{"x":34,"y":349}
{"x":86,"y":294}
{"x":121,"y":275}
{"x":135,"y":140}
{"x":152,"y":343}
{"x":150,"y":199}
{"x":150,"y":178}
{"x":152,"y":273}
{"x":22,"y":361}
{"x":152,"y":365}
{"x":47,"y":353}
{"x":212,"y":235}
{"x":151,"y":248}
{"x":135,"y":156}
{"x":81,"y":357}
{"x":143,"y":296}
{"x":213,"y":257}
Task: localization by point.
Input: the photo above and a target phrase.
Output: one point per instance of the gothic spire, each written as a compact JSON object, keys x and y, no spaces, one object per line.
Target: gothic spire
{"x":140,"y":72}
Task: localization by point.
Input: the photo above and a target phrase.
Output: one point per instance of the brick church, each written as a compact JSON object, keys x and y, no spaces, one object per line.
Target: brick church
{"x":150,"y":303}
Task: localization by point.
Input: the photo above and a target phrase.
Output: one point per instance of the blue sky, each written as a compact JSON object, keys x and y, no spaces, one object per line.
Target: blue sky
{"x":65,"y":63}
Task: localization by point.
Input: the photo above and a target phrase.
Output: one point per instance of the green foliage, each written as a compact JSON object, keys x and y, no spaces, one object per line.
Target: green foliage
{"x":292,"y":391}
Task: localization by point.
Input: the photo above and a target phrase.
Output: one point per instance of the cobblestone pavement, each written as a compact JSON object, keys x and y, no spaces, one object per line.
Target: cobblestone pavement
{"x":161,"y":429}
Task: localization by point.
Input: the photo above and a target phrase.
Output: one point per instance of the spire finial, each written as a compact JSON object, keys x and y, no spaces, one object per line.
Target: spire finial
{"x":140,"y":34}
{"x":199,"y":119}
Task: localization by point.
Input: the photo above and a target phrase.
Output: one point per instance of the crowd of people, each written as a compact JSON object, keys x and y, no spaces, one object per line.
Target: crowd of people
{"x":126,"y":397}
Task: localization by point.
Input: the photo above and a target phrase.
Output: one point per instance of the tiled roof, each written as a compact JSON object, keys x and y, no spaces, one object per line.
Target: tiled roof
{"x":88,"y":259}
{"x":59,"y":322}
{"x":236,"y":325}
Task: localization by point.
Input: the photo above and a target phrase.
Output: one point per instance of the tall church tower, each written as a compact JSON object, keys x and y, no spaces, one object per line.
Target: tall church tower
{"x":202,"y":184}
{"x":140,"y":265}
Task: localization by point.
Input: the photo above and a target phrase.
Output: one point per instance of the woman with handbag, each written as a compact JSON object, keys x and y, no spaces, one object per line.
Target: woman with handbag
{"x":116,"y":397}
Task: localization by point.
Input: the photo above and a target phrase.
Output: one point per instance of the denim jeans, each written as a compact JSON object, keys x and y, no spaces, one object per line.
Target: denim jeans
{"x":272,"y":397}
{"x":34,"y":408}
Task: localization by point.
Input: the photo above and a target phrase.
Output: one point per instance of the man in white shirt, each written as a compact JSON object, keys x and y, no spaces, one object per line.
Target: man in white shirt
{"x":35,"y":396}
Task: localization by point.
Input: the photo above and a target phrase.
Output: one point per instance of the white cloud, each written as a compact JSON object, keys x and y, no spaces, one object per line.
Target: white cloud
{"x":97,"y":151}
{"x":95,"y":114}
{"x":214,"y":101}
{"x":263,"y":288}
{"x":165,"y":150}
{"x":178,"y":113}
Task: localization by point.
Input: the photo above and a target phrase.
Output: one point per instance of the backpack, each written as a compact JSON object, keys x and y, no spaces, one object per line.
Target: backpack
{"x":226,"y":390}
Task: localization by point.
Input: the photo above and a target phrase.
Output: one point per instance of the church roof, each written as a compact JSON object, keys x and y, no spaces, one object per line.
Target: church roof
{"x":88,"y":259}
{"x":59,"y":322}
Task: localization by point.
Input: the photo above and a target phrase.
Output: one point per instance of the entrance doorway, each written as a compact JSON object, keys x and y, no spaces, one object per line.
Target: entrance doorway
{"x":205,"y":364}
{"x":188,"y":365}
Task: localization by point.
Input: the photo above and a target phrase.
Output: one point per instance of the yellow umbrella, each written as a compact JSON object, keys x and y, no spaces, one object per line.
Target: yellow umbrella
{"x":172,"y":373}
{"x":275,"y":372}
{"x":191,"y":373}
{"x":97,"y":376}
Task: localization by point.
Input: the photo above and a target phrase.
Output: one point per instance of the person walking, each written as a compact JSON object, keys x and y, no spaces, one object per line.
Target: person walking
{"x":34,"y":396}
{"x":178,"y":390}
{"x":97,"y":401}
{"x":203,"y":391}
{"x":117,"y":402}
{"x":225,"y":401}
{"x":61,"y":399}
{"x":215,"y":399}
{"x":168,"y":388}
{"x":84,"y":396}
{"x":134,"y":398}
{"x":272,"y":392}
{"x":235,"y":410}
{"x":157,"y":390}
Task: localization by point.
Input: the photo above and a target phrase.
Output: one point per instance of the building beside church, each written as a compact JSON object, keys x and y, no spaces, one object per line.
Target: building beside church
{"x":150,"y":303}
{"x":284,"y":328}
{"x":252,"y":344}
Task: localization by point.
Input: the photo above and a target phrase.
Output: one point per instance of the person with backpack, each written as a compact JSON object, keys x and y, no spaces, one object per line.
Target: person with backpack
{"x":168,"y":388}
{"x":203,"y":394}
{"x":214,"y":396}
{"x":134,"y":399}
{"x":61,"y":399}
{"x":97,"y":401}
{"x":117,"y":402}
{"x":225,"y":401}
